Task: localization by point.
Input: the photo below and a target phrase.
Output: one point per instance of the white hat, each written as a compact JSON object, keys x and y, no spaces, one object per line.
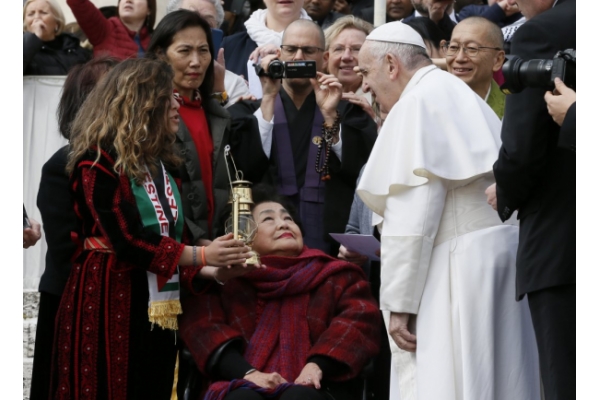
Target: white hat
{"x":397,"y":32}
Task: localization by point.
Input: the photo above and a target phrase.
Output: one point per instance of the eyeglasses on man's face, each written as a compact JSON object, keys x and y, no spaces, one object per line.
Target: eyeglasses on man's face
{"x":452,"y":49}
{"x":290,"y":50}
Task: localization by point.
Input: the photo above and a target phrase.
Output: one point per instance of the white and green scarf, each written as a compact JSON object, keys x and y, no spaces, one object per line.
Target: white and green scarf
{"x":163,"y":304}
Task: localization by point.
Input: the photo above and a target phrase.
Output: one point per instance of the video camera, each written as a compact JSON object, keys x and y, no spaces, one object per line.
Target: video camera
{"x":519,"y":74}
{"x":278,"y":69}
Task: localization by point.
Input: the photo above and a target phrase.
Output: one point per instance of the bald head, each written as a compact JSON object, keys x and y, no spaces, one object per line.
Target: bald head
{"x":302,"y":26}
{"x":490,"y":32}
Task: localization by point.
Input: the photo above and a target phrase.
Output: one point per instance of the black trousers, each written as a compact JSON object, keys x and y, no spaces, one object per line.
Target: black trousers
{"x":293,"y":393}
{"x":553,"y":314}
{"x":44,"y":343}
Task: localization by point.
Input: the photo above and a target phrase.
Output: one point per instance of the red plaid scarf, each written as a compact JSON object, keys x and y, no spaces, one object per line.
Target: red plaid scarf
{"x":281,"y":340}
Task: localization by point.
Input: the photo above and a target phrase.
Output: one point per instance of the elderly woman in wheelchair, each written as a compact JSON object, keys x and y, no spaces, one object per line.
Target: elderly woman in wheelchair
{"x":304,"y":327}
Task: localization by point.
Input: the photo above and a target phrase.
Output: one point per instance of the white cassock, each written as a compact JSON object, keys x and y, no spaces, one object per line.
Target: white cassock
{"x":446,"y":256}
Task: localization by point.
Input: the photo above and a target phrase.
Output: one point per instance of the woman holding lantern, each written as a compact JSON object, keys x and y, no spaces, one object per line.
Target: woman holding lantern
{"x":183,"y":39}
{"x":117,"y":321}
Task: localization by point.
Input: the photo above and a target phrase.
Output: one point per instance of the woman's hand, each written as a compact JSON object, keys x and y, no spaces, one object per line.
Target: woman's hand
{"x":226,"y":251}
{"x":219,"y":66}
{"x":269,"y":381}
{"x":263,"y":51}
{"x":352,"y":256}
{"x":311,"y":375}
{"x":40,"y":29}
{"x":360,"y":101}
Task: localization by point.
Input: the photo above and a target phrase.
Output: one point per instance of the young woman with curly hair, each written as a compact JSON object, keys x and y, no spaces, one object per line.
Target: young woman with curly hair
{"x":117,"y":321}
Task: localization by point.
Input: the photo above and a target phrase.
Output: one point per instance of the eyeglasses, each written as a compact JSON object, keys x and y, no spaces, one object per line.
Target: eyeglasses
{"x":339,"y":50}
{"x":290,"y":50}
{"x":453,"y":49}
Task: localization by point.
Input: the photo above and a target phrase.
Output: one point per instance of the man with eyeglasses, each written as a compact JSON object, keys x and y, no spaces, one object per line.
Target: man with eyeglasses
{"x":473,"y":54}
{"x":447,"y":261}
{"x":304,"y":140}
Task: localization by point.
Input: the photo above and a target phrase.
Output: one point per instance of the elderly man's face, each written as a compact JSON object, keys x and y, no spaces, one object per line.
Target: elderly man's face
{"x":476,"y":71}
{"x":205,"y":8}
{"x":376,"y":78}
{"x":398,"y":9}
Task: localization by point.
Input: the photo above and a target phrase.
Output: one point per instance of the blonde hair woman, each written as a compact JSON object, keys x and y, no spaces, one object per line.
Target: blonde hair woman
{"x":47,"y":50}
{"x":343,"y":40}
{"x":118,"y":315}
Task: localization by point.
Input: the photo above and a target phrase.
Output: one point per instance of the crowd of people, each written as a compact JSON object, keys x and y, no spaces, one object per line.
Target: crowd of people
{"x":404,"y":133}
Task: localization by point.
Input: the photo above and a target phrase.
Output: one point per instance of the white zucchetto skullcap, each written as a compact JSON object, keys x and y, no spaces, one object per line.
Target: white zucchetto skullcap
{"x":396,"y":32}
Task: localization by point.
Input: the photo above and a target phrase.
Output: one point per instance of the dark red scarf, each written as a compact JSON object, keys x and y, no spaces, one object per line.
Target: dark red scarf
{"x":281,"y":341}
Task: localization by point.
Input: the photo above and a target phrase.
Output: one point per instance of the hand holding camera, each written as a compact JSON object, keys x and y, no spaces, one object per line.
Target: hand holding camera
{"x":560,"y":101}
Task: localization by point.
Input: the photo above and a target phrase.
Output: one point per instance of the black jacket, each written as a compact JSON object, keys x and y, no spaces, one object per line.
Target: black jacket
{"x":533,"y":174}
{"x":238,"y":48}
{"x":59,"y":220}
{"x":193,"y":194}
{"x":55,"y":57}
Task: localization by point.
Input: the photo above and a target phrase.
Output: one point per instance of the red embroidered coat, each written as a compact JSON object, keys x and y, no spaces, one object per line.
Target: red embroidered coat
{"x":342,"y":316}
{"x":106,"y":348}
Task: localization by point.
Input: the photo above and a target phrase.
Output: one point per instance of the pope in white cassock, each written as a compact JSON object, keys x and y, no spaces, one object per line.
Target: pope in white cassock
{"x":447,"y":261}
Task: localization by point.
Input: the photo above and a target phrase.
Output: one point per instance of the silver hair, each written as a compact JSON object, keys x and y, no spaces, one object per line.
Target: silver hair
{"x":409,"y":55}
{"x":176,"y":5}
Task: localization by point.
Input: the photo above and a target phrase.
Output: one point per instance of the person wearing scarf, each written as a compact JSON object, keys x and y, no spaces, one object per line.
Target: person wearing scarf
{"x":302,"y":328}
{"x":264,"y":31}
{"x":117,"y":321}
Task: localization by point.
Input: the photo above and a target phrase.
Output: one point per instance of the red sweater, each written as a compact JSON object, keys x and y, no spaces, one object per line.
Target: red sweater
{"x":108,"y":36}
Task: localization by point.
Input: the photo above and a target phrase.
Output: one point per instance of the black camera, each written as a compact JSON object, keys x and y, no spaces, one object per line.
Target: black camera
{"x":278,"y":69}
{"x":519,"y":74}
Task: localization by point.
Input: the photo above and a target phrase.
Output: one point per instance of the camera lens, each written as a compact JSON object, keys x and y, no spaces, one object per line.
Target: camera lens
{"x":519,"y":74}
{"x":275,"y":69}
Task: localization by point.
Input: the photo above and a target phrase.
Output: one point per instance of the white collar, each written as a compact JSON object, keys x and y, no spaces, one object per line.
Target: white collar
{"x":488,"y":93}
{"x":417,"y":77}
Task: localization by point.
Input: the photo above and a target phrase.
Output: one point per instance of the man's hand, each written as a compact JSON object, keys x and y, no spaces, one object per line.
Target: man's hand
{"x":269,"y":381}
{"x":263,"y":51}
{"x":400,"y":333}
{"x":32,"y":235}
{"x":219,"y":64}
{"x":352,"y":256}
{"x":270,"y":89}
{"x":311,"y":375}
{"x":437,"y":8}
{"x":559,"y":103}
{"x":328,"y":93}
{"x":491,"y":196}
{"x":508,"y":8}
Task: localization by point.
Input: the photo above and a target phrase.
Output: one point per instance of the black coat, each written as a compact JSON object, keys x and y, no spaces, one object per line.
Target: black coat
{"x":238,"y":48}
{"x":59,"y":220}
{"x":533,"y":174}
{"x":55,"y":57}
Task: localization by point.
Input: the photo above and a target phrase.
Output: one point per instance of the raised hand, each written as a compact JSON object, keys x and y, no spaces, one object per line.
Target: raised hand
{"x":328,"y":93}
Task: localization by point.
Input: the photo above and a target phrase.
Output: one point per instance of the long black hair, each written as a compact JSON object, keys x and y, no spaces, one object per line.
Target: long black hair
{"x":168,"y":27}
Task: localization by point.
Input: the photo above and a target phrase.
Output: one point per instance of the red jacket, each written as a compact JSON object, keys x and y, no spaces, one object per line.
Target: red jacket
{"x":108,"y":36}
